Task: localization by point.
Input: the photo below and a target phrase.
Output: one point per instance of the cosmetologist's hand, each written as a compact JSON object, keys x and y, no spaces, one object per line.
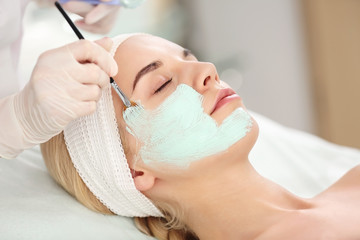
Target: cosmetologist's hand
{"x":96,"y":18}
{"x":66,"y":83}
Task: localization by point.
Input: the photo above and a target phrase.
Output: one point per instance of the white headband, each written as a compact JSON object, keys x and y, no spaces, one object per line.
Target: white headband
{"x":96,"y":151}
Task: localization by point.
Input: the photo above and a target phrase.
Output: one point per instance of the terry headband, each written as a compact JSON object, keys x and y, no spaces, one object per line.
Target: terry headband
{"x":96,"y":151}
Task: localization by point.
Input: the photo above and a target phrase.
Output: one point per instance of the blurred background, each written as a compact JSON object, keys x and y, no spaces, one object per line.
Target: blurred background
{"x":294,"y":61}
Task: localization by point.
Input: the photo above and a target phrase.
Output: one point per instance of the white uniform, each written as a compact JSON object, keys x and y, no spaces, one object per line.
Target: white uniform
{"x":11,"y":15}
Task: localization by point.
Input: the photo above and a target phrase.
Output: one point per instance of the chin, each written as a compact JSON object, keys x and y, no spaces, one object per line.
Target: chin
{"x":243,"y":147}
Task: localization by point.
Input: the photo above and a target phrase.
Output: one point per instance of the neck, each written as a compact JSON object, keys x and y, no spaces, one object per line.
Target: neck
{"x":237,"y":203}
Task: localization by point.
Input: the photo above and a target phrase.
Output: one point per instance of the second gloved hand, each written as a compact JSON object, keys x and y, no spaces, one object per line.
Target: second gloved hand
{"x":96,"y":18}
{"x":65,"y":84}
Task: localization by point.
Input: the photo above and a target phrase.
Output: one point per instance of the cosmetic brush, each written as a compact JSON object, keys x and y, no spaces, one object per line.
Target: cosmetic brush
{"x":117,"y":89}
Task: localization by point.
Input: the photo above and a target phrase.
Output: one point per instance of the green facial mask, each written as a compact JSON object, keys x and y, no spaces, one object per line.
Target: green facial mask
{"x":179,"y":132}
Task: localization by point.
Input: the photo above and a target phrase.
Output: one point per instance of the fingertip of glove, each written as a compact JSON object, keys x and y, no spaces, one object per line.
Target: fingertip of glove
{"x":114,"y":69}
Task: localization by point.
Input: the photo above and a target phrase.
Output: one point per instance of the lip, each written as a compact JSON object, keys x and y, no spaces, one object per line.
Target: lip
{"x":224,"y":96}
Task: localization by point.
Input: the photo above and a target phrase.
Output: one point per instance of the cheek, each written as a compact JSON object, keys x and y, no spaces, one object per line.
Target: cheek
{"x":130,"y":145}
{"x":180,"y":132}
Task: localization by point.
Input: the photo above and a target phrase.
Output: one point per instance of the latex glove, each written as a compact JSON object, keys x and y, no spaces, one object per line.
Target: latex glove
{"x":65,"y":84}
{"x":96,"y":18}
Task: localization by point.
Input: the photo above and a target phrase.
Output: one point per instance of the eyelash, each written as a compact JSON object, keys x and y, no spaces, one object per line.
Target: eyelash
{"x":163,"y":86}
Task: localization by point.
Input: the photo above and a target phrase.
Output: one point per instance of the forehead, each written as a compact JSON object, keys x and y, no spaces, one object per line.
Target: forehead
{"x":144,"y":48}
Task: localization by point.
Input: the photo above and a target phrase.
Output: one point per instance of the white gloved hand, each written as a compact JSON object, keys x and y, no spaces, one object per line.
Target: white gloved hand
{"x":65,"y":84}
{"x":96,"y":18}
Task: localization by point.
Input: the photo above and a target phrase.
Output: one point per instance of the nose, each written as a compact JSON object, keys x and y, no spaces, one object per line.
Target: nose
{"x":201,"y":75}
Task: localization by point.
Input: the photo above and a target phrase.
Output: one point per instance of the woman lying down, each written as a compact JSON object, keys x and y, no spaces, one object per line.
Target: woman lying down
{"x":178,"y":160}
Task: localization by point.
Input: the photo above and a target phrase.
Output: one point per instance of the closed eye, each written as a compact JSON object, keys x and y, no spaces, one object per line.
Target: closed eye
{"x":163,"y":86}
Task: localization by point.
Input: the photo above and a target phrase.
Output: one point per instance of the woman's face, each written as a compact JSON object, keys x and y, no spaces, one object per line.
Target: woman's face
{"x":151,"y":68}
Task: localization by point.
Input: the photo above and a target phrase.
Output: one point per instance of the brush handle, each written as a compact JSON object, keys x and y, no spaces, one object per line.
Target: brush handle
{"x":124,"y":3}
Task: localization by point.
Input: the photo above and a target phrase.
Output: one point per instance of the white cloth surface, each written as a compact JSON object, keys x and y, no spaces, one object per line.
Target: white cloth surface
{"x":33,"y":206}
{"x":300,"y":162}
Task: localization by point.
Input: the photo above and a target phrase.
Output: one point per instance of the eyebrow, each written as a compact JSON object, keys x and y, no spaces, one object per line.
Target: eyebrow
{"x":153,"y":66}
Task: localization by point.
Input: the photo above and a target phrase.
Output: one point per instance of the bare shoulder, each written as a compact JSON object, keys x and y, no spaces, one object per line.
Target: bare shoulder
{"x":350,"y":182}
{"x":352,"y":175}
{"x":335,"y":214}
{"x":299,"y":226}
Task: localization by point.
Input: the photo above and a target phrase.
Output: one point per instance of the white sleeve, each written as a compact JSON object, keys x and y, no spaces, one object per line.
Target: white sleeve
{"x":9,"y":83}
{"x":11,"y":134}
{"x":10,"y":42}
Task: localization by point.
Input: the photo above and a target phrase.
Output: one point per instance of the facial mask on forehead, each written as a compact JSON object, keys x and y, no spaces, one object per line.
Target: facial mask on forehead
{"x":179,"y":132}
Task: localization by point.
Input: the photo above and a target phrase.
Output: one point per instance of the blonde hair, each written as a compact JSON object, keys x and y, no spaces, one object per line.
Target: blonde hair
{"x":61,"y":168}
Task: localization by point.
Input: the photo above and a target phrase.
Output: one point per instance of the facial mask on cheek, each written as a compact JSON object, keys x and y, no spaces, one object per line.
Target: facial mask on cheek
{"x":179,"y":132}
